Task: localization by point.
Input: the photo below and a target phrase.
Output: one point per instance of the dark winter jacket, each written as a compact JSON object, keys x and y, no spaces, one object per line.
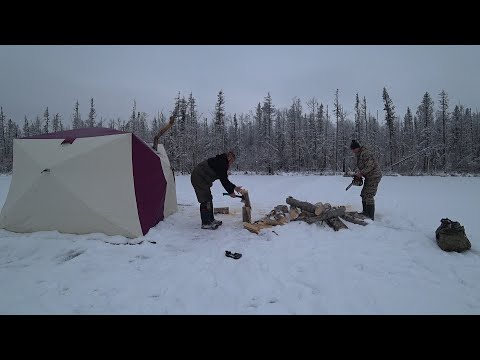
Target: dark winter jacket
{"x":219,"y":164}
{"x":212,"y":169}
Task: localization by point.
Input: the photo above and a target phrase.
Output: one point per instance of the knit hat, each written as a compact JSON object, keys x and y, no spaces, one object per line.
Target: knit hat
{"x":354,"y":144}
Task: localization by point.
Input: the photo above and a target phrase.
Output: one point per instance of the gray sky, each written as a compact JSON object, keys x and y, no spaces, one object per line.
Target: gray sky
{"x":34,"y":77}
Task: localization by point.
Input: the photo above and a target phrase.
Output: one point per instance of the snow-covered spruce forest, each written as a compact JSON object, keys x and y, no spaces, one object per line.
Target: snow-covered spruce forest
{"x":433,"y":136}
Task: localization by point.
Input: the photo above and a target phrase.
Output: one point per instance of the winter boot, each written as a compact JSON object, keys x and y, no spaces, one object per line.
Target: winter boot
{"x":371,"y":211}
{"x":205,"y":216}
{"x":210,"y":226}
{"x":364,"y":212}
{"x":212,"y":218}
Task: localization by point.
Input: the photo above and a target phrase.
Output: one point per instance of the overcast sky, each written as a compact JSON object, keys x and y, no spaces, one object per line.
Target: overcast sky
{"x":34,"y":77}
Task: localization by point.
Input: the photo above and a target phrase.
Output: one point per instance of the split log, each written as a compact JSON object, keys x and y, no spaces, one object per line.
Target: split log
{"x":262,"y":225}
{"x":294,"y":213}
{"x":352,"y":219}
{"x":246,"y":214}
{"x":336,"y":224}
{"x":306,"y":206}
{"x":222,"y":210}
{"x":279,"y":215}
{"x":356,"y":215}
{"x":252,"y":228}
{"x":255,"y":228}
{"x":272,"y":222}
{"x":246,"y":198}
{"x":270,"y":214}
{"x":246,"y":209}
{"x":334,"y":212}
{"x":304,"y":215}
{"x":281,"y":218}
{"x":281,"y":208}
{"x":320,"y":208}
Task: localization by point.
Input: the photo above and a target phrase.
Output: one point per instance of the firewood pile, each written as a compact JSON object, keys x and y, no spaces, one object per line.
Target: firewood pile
{"x":319,"y":213}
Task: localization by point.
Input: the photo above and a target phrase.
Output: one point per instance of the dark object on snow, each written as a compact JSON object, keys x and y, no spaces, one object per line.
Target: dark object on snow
{"x":235,"y":256}
{"x":451,"y":236}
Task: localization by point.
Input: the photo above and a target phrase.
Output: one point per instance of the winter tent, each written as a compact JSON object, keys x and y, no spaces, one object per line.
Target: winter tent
{"x":93,"y":180}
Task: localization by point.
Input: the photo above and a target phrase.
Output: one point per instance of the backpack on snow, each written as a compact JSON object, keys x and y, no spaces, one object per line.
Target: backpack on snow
{"x":451,"y":236}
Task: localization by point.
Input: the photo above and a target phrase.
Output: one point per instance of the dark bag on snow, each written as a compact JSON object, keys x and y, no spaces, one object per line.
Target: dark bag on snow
{"x":451,"y":236}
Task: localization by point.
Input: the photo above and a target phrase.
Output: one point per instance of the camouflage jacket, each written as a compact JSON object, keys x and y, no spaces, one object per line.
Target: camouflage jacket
{"x":367,"y":164}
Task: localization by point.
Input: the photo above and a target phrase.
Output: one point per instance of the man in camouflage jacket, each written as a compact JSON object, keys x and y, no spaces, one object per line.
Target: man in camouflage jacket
{"x":367,"y":167}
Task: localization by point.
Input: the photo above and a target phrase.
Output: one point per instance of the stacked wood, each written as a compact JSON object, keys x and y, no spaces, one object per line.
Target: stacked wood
{"x":306,"y":206}
{"x":277,"y":216}
{"x":281,"y":208}
{"x":294,"y":213}
{"x":328,"y":214}
{"x":319,"y":212}
{"x":308,"y":212}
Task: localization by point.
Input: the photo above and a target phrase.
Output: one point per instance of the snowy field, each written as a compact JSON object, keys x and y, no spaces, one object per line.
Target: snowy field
{"x":391,"y":266}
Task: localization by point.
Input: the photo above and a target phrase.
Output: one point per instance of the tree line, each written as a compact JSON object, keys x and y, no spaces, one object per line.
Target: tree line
{"x":310,"y":136}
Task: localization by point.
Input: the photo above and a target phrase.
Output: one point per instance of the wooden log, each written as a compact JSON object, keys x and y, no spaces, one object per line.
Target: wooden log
{"x":306,"y":206}
{"x":246,"y":198}
{"x":252,"y":228}
{"x":336,"y":224}
{"x":262,"y":225}
{"x":356,"y":215}
{"x":304,"y":215}
{"x":319,"y":208}
{"x":334,"y":212}
{"x":246,"y":209}
{"x":294,"y":213}
{"x":279,"y":215}
{"x":256,"y":228}
{"x":350,"y":218}
{"x":246,"y":214}
{"x":271,"y":222}
{"x":282,"y":208}
{"x":222,"y":210}
{"x":281,"y":218}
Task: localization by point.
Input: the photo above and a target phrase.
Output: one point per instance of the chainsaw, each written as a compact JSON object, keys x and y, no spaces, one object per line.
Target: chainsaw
{"x":357,"y":181}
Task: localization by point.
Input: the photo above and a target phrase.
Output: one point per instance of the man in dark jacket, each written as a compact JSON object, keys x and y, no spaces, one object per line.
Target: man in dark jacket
{"x":368,"y":168}
{"x":202,"y":180}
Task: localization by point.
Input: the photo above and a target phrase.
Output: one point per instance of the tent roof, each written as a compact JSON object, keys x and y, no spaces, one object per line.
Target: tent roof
{"x":78,"y":133}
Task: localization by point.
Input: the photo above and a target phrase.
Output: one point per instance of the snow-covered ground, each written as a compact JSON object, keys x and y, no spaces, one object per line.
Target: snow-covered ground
{"x":391,"y":266}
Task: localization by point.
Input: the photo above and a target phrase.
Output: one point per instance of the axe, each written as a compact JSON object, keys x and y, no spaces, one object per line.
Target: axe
{"x":238,"y":196}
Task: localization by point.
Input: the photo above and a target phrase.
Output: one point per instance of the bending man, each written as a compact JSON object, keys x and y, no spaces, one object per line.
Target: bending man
{"x":202,"y":180}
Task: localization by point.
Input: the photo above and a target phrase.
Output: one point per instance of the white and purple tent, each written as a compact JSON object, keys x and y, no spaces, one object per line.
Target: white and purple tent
{"x":93,"y":180}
